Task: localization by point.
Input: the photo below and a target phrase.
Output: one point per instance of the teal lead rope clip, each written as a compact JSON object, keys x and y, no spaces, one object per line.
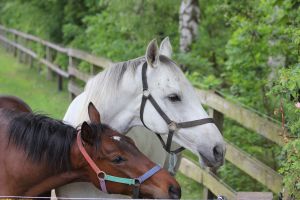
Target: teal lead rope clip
{"x":172,"y":163}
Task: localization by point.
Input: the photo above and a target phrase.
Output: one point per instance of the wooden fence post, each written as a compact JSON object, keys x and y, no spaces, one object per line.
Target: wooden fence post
{"x":49,"y":58}
{"x":2,"y":42}
{"x":71,"y":64}
{"x":60,"y":82}
{"x":26,"y":56}
{"x":21,"y":53}
{"x":219,"y":121}
{"x":15,"y":48}
{"x":9,"y":47}
{"x":93,"y":70}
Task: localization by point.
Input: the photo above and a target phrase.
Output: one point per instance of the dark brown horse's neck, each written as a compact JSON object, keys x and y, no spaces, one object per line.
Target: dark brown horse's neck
{"x":56,"y":181}
{"x":14,"y":103}
{"x":77,"y":173}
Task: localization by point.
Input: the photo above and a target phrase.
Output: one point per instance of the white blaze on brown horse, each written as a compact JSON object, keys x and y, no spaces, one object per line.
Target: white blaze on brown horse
{"x":38,"y":153}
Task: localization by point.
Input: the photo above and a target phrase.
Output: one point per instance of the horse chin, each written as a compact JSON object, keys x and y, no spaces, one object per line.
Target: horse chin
{"x":147,"y":193}
{"x":204,"y":162}
{"x":152,"y":196}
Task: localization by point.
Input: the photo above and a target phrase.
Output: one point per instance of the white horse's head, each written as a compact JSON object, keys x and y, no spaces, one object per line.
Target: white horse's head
{"x":118,"y":92}
{"x":178,"y":99}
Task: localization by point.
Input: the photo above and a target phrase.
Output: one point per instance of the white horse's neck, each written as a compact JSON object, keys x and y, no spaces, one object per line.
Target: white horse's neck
{"x":117,"y":102}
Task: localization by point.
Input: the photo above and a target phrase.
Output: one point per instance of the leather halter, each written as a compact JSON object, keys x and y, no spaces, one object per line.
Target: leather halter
{"x":173,"y":126}
{"x":102,"y":176}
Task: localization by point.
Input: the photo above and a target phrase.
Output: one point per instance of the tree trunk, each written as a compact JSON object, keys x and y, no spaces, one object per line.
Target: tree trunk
{"x":188,"y":23}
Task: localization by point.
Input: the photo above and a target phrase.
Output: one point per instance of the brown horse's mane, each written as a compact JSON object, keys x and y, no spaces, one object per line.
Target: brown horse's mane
{"x":43,"y":138}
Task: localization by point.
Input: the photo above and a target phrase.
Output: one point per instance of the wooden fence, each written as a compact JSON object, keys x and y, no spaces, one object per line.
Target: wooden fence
{"x":30,"y":49}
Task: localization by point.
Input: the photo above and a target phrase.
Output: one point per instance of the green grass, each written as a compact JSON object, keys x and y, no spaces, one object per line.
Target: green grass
{"x":43,"y":97}
{"x":25,"y":82}
{"x":190,"y":189}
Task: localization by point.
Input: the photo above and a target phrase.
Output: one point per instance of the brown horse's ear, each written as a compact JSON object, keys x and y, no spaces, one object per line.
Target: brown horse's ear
{"x":87,"y":133}
{"x":94,"y":114}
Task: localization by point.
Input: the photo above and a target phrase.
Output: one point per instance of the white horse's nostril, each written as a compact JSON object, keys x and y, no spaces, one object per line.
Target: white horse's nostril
{"x":218,"y":152}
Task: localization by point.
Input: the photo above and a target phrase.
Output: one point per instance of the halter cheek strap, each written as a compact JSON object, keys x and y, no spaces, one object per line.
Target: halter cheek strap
{"x":102,"y":176}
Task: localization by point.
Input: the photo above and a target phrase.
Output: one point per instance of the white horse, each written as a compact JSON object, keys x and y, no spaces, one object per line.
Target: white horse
{"x":117,"y":93}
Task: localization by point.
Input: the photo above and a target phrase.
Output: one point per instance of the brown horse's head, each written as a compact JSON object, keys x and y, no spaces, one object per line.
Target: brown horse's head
{"x":117,"y":155}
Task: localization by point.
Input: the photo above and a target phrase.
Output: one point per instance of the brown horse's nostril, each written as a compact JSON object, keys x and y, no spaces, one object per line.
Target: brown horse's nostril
{"x":218,"y":152}
{"x":174,"y":192}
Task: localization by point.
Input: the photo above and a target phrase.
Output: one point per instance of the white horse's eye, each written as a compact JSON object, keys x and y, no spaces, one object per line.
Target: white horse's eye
{"x":174,"y":98}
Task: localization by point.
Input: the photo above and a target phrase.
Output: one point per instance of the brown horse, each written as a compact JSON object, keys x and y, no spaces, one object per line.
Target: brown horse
{"x":14,"y":103}
{"x":38,"y":153}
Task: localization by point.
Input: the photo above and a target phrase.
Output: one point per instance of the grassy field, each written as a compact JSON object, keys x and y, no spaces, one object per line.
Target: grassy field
{"x":43,"y":97}
{"x":25,"y":82}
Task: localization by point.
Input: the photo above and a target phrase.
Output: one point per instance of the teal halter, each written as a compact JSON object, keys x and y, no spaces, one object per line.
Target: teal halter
{"x":102,"y":176}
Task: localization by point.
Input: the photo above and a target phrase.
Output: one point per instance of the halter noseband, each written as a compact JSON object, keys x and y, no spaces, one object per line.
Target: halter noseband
{"x":102,"y":176}
{"x":172,"y":126}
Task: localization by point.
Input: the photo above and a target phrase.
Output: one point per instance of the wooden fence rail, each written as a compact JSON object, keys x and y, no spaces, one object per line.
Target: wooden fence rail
{"x":11,"y":41}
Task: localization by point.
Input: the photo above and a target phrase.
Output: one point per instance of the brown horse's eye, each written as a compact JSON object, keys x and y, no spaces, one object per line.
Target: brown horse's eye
{"x":174,"y":98}
{"x":118,"y":160}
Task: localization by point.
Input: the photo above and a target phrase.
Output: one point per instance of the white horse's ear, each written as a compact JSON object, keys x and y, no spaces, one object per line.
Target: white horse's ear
{"x":166,"y":48}
{"x":152,"y":53}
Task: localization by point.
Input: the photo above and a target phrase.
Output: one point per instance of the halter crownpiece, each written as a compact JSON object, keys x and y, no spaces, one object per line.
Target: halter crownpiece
{"x":102,"y":176}
{"x":172,"y":125}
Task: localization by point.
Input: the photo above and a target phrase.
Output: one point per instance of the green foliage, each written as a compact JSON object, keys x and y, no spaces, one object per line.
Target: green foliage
{"x":125,"y":34}
{"x":288,"y":89}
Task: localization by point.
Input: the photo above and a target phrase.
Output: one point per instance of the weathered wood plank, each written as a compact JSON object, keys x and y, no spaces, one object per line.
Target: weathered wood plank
{"x":36,"y":39}
{"x":95,"y":60}
{"x":34,"y":55}
{"x":78,"y":74}
{"x":254,"y":195}
{"x":54,"y":68}
{"x":253,"y":167}
{"x":55,"y":46}
{"x":193,"y":171}
{"x":247,"y":118}
{"x":20,"y":47}
{"x":74,"y":89}
{"x":219,"y":121}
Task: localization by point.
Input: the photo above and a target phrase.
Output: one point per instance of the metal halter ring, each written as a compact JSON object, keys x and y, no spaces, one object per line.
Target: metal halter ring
{"x":146,"y":93}
{"x":137,"y":182}
{"x":172,"y":126}
{"x":101,"y":175}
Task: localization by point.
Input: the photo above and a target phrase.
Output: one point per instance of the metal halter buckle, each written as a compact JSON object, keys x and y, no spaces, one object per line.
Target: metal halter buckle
{"x":101,"y":175}
{"x":172,"y":126}
{"x":146,"y":93}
